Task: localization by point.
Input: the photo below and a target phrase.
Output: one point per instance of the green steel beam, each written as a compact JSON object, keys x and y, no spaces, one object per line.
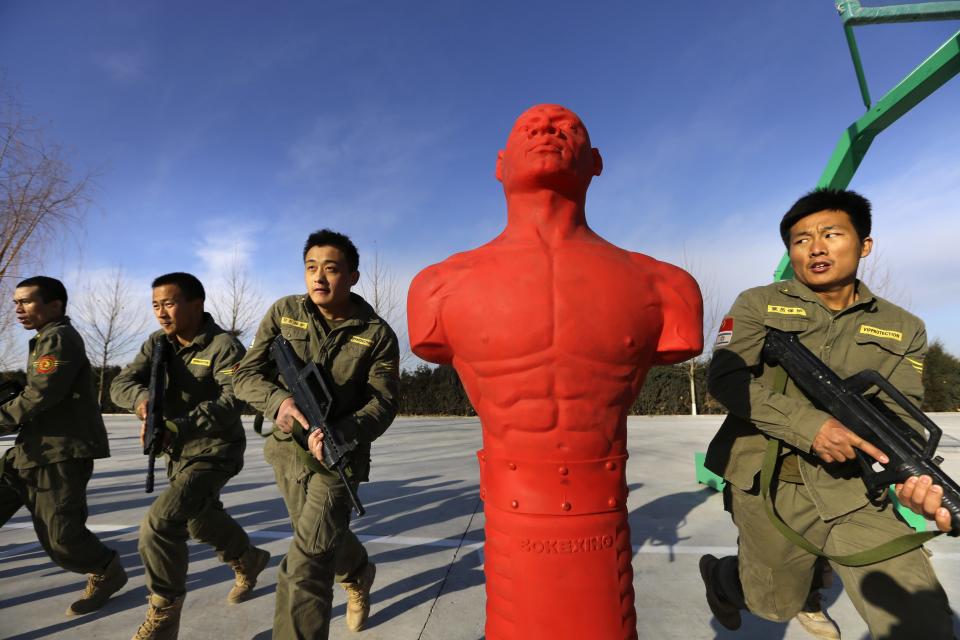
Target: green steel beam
{"x":932,"y":74}
{"x":857,"y":65}
{"x":852,"y":14}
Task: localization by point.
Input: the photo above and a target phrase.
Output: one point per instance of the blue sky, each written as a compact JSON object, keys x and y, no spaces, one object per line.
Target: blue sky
{"x":235,"y":128}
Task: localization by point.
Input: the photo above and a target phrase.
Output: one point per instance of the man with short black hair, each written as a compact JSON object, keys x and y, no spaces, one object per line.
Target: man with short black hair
{"x":59,"y":434}
{"x":204,"y":443}
{"x":359,"y":355}
{"x":818,"y":490}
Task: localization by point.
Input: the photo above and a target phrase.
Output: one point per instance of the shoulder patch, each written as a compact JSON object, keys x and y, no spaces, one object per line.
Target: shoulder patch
{"x":916,"y":364}
{"x":45,"y":364}
{"x":876,"y":332}
{"x":293,"y":323}
{"x":203,"y":362}
{"x":365,"y":342}
{"x":229,"y":371}
{"x":787,"y":311}
{"x":725,"y":335}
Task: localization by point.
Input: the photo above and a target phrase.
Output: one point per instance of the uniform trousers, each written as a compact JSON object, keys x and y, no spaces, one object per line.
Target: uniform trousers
{"x":897,"y":598}
{"x":323,"y":549}
{"x":56,"y":496}
{"x":189,"y":507}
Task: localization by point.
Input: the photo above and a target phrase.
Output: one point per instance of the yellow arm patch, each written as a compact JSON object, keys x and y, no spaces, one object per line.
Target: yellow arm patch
{"x":916,"y":364}
{"x":293,"y":323}
{"x":787,"y":311}
{"x":201,"y":362}
{"x":888,"y":334}
{"x":364,"y":342}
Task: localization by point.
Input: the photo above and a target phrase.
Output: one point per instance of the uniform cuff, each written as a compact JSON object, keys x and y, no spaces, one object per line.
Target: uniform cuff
{"x":807,"y":425}
{"x":273,"y":404}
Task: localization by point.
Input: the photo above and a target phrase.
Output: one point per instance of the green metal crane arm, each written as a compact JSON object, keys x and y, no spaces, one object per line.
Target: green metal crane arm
{"x":932,"y":74}
{"x":852,"y":14}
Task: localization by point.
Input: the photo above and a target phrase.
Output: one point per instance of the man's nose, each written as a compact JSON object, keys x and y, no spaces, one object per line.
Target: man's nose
{"x":544,"y":128}
{"x":818,"y":247}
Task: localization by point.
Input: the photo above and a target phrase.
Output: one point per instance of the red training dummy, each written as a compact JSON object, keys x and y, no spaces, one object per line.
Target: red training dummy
{"x":552,"y":330}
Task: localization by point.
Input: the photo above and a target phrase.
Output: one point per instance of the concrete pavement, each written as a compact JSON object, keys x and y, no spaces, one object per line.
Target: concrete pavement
{"x":424,"y":529}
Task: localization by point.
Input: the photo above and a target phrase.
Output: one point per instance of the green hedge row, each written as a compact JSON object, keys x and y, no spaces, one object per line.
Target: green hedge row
{"x":437,"y":390}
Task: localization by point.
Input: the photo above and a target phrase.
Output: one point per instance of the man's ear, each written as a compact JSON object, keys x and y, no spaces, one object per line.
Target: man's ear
{"x":499,"y":170}
{"x":597,"y":161}
{"x":867,"y":247}
{"x":354,"y":277}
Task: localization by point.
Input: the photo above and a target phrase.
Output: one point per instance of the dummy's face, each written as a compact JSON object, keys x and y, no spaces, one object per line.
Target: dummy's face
{"x":176,"y":314}
{"x":328,"y":277}
{"x":547,"y":141}
{"x":32,"y":312}
{"x":825,"y":250}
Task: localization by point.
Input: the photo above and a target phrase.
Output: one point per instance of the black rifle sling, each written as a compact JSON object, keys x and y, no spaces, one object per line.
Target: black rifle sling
{"x":768,"y":476}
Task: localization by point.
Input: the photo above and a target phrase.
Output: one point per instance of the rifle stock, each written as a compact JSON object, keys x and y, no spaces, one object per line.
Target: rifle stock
{"x":312,"y":396}
{"x":910,"y":455}
{"x":153,"y":438}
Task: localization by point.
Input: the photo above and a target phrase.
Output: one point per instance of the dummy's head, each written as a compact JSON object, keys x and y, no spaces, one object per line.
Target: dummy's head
{"x":548,"y":148}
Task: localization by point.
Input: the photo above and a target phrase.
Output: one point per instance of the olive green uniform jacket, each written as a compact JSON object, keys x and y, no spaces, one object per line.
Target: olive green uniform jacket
{"x":199,"y":397}
{"x":57,"y":413}
{"x":360,"y":359}
{"x":872,"y":333}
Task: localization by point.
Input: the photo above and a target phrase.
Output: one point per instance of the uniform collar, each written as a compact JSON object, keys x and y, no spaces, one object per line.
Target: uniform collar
{"x":363,"y":312}
{"x":59,"y":322}
{"x":797,"y":289}
{"x":203,"y":337}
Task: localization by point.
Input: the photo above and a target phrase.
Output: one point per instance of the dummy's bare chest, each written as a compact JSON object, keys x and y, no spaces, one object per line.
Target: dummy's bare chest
{"x":510,"y":304}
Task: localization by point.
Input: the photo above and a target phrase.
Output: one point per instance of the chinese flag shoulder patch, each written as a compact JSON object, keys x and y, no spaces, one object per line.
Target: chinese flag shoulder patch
{"x":725,"y":335}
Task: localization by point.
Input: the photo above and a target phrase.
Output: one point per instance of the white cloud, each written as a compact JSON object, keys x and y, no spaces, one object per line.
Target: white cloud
{"x":224,"y":242}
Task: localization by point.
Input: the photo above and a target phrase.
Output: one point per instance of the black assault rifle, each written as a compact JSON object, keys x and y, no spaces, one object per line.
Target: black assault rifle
{"x":910,"y":455}
{"x":313,"y":398}
{"x":153,"y":438}
{"x":9,"y":389}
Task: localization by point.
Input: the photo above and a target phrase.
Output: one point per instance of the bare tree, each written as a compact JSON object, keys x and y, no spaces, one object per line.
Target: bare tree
{"x":379,"y":287}
{"x":38,"y":195}
{"x":109,"y":321}
{"x":237,"y":302}
{"x":39,"y":200}
{"x":711,"y":321}
{"x":875,"y":272}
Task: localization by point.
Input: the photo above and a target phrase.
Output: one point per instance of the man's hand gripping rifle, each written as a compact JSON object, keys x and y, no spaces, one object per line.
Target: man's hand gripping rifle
{"x":909,"y":454}
{"x":313,"y":398}
{"x":154,"y":434}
